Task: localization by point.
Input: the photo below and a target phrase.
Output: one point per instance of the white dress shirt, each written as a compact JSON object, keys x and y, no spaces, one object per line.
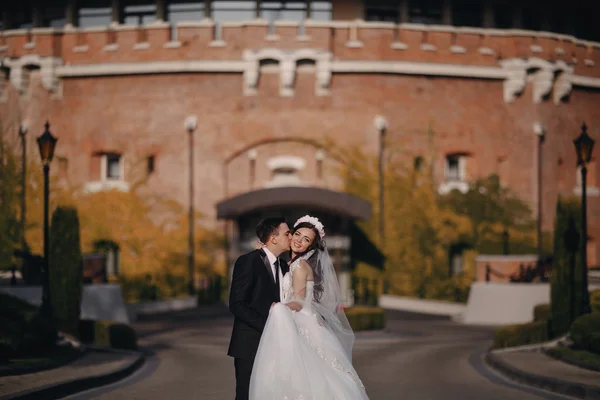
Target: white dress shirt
{"x":272,"y":260}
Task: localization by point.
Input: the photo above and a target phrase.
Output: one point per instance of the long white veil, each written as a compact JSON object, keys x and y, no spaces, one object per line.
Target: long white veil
{"x":327,"y":301}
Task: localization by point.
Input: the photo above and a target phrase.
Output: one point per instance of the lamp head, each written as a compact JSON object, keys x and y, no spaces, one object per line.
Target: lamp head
{"x":191,"y":123}
{"x":380,"y":123}
{"x":538,"y":129}
{"x":24,"y":127}
{"x":46,"y":143}
{"x":584,"y":145}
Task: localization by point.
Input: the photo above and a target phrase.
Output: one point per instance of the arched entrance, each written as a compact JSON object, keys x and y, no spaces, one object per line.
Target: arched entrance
{"x":338,"y":212}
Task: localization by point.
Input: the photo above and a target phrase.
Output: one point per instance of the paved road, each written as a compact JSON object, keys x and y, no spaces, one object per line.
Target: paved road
{"x":417,"y":357}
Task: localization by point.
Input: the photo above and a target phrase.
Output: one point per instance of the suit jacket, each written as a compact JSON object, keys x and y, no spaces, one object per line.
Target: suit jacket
{"x":253,"y":290}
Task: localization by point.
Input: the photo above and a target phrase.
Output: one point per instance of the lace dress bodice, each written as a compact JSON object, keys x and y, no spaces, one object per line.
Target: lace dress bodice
{"x":288,"y":287}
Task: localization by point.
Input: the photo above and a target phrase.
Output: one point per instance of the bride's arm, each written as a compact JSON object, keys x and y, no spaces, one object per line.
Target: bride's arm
{"x":299,"y":279}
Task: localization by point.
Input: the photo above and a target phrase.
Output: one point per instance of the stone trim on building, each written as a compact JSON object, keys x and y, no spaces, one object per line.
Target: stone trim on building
{"x":548,"y":78}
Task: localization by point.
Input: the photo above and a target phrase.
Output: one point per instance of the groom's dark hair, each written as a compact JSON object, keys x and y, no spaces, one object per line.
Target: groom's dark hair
{"x":268,"y":227}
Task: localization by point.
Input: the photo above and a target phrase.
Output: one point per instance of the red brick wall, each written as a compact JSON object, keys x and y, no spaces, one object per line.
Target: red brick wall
{"x":142,"y":115}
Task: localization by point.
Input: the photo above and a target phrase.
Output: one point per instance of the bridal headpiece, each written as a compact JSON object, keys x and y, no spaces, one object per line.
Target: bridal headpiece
{"x":315,"y":222}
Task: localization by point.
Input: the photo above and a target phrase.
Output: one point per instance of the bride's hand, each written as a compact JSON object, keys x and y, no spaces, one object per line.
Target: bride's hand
{"x":258,"y":245}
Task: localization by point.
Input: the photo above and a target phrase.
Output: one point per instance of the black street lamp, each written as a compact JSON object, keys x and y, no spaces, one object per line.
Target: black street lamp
{"x":584,"y":146}
{"x":541,"y":134}
{"x":381,"y":125}
{"x":190,"y":126}
{"x":46,"y":143}
{"x":23,"y":128}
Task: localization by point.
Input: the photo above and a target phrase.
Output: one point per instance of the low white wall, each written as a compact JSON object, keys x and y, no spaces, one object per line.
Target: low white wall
{"x":504,"y":303}
{"x":99,"y":301}
{"x":411,"y":304}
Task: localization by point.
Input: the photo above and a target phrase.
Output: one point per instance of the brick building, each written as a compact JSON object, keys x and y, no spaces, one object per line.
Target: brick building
{"x":117,"y":79}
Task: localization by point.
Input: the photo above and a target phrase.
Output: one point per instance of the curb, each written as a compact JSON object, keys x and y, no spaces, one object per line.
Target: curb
{"x":44,"y":367}
{"x":578,"y":390}
{"x":573,"y":362}
{"x":64,"y":389}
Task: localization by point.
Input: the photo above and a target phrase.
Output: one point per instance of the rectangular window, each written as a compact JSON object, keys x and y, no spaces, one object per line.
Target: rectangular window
{"x":151,"y":164}
{"x":21,"y":18}
{"x":113,"y":169}
{"x":532,"y":19}
{"x":591,"y":179}
{"x":54,"y":17}
{"x":561,"y":22}
{"x":286,"y":11}
{"x":465,"y":13}
{"x":453,"y":169}
{"x":426,"y":12}
{"x":386,"y":11}
{"x":321,"y":10}
{"x":142,"y":14}
{"x":503,"y":16}
{"x":233,"y":11}
{"x":180,"y":11}
{"x":90,"y":16}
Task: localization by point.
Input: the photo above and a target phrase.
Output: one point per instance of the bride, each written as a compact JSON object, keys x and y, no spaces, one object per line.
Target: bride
{"x":305,"y":352}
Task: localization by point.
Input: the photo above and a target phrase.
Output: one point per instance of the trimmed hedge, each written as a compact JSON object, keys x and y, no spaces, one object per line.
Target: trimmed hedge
{"x":107,"y":334}
{"x":595,"y":300}
{"x":585,"y":332}
{"x":365,"y":318}
{"x":566,"y":261}
{"x":66,"y":268}
{"x":541,"y":312}
{"x":523,"y":334}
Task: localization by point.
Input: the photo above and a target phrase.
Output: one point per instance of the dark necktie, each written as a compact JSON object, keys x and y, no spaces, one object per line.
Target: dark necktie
{"x":277,"y":273}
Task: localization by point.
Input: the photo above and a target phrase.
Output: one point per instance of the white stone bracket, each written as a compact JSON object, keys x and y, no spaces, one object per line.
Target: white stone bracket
{"x":546,"y":77}
{"x":288,"y":63}
{"x":19,"y":74}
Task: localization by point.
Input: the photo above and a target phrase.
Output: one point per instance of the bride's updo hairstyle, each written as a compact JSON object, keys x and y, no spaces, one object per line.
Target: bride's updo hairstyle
{"x":318,"y":244}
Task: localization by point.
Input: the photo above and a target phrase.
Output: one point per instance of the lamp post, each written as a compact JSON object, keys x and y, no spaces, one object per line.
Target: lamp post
{"x":541,"y":134}
{"x":381,"y":124}
{"x":46,"y":143}
{"x":584,"y":146}
{"x":23,"y":128}
{"x":190,"y":124}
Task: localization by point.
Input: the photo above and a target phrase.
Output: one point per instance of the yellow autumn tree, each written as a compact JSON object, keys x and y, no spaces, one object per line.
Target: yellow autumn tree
{"x":418,"y":232}
{"x":151,"y":253}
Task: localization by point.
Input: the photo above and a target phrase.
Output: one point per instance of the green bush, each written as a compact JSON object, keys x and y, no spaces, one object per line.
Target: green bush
{"x":365,"y":318}
{"x":566,"y":261}
{"x":66,"y":269}
{"x":122,"y":337}
{"x":585,"y":332}
{"x":541,"y":312}
{"x":22,"y":330}
{"x":523,"y":334}
{"x":595,"y":300}
{"x":108,"y":334}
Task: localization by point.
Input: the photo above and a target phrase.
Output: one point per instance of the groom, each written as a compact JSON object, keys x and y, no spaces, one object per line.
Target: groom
{"x":256,"y":285}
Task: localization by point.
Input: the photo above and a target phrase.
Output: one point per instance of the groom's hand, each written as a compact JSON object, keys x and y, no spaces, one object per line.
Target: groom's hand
{"x":272,"y":304}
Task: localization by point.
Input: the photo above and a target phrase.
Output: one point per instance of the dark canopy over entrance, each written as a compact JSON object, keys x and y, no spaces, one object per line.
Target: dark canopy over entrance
{"x":342,"y":204}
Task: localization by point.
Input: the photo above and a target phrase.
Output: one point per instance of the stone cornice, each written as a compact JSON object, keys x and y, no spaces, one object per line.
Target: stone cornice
{"x":418,"y":68}
{"x":548,"y":79}
{"x":585,"y":81}
{"x":157,"y":67}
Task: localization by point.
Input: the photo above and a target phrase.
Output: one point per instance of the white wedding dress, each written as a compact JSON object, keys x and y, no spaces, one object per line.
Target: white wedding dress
{"x":299,"y":358}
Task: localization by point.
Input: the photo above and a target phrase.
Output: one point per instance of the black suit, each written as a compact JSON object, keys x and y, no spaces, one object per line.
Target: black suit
{"x":253,"y":290}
